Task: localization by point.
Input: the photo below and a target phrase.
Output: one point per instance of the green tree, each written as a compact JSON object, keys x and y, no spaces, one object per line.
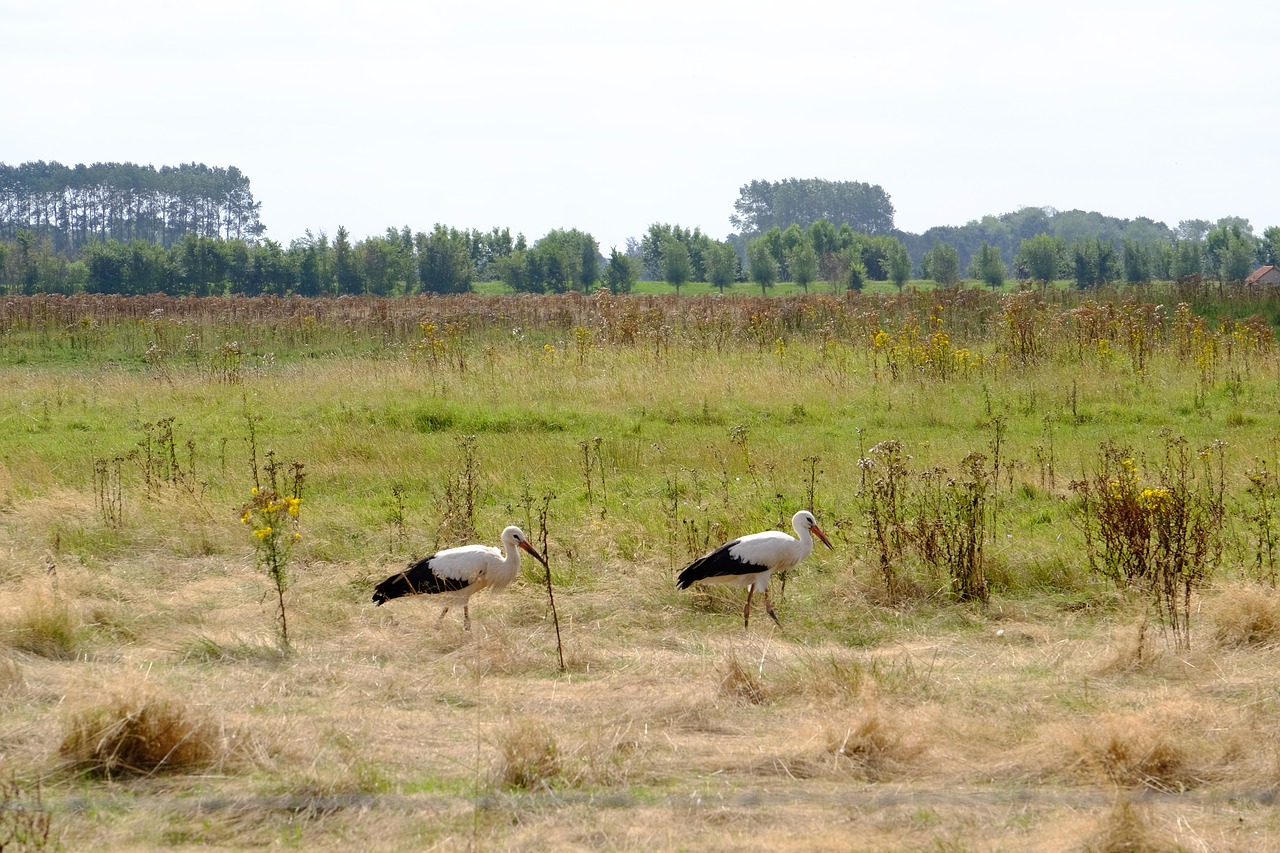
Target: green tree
{"x":1188,"y":259}
{"x":620,"y":272}
{"x":1094,"y":262}
{"x":899,"y":264}
{"x":988,"y":266}
{"x":379,"y":270}
{"x":314,"y":261}
{"x":564,"y":260}
{"x":802,"y":260}
{"x":346,"y":270}
{"x":676,"y":268}
{"x":823,"y":238}
{"x":445,"y":261}
{"x":722,"y":264}
{"x":774,"y":242}
{"x":1268,"y":246}
{"x":513,"y":271}
{"x":761,"y":264}
{"x":653,"y":245}
{"x":1229,"y":247}
{"x":1237,"y":257}
{"x":941,"y":264}
{"x":1137,"y":261}
{"x":855,"y":271}
{"x":271,"y":270}
{"x":1041,"y":257}
{"x":762,"y":205}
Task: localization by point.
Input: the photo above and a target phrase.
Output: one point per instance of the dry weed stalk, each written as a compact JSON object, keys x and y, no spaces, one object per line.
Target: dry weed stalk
{"x":24,"y":821}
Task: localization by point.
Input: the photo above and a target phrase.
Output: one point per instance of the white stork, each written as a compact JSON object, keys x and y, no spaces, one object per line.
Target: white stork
{"x":456,"y":574}
{"x":750,"y":560}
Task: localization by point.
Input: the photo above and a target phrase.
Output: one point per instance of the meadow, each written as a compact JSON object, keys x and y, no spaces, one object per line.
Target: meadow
{"x":1049,"y":621}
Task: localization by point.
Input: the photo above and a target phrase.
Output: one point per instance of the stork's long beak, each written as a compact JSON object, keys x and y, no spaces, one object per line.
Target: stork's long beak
{"x":527,"y":547}
{"x":822,"y":536}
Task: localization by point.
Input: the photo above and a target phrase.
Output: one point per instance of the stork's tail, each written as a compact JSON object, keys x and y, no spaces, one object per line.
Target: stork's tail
{"x":393,"y":587}
{"x":418,"y":579}
{"x":693,"y":572}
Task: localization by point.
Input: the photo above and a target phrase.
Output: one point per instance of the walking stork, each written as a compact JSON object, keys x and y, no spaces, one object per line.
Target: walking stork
{"x":456,"y":574}
{"x":750,"y":560}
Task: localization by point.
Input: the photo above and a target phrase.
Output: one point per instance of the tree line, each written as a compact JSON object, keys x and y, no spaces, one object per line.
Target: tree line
{"x":449,"y":260}
{"x":192,"y":230}
{"x":73,"y":207}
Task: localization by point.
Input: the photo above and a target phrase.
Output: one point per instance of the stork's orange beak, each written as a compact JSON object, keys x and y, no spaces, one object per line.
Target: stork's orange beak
{"x":527,"y":547}
{"x":822,"y":536}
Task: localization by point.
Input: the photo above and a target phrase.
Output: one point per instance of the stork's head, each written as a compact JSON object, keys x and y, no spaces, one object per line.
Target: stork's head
{"x":513,"y":537}
{"x":804,"y":521}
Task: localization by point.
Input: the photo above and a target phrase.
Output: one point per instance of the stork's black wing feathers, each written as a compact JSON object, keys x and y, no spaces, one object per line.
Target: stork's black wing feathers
{"x":418,"y":579}
{"x":716,"y":564}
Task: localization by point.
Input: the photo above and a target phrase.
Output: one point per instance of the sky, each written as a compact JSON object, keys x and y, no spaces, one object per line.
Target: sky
{"x":611,"y":116}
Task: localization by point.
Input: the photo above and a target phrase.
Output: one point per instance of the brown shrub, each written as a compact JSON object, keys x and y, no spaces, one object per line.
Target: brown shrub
{"x":138,"y":736}
{"x":875,"y":746}
{"x":528,"y":756}
{"x":1247,"y":615}
{"x":740,"y":682}
{"x":1138,"y":752}
{"x":1128,"y":830}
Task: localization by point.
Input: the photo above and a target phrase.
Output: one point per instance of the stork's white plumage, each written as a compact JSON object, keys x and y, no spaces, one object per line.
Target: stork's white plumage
{"x":456,"y":574}
{"x":751,"y":560}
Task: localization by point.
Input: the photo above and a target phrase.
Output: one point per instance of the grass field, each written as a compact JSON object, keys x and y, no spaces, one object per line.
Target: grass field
{"x":1049,"y":622}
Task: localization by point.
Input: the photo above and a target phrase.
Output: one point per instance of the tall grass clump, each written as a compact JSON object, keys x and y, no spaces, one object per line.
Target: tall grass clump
{"x":44,"y":625}
{"x":138,"y":735}
{"x":528,"y":756}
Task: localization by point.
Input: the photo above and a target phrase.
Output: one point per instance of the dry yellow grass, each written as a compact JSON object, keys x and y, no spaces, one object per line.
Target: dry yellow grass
{"x":389,"y":730}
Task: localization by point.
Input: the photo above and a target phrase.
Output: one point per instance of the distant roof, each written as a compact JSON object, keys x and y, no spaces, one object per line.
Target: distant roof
{"x":1257,"y":274}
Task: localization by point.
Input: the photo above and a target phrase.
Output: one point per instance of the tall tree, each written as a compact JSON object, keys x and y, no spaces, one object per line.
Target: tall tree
{"x":988,"y":266}
{"x":942,"y":264}
{"x":314,"y":262}
{"x":1188,"y":259}
{"x":1136,"y":260}
{"x":722,"y":264}
{"x":1269,"y":246}
{"x":1040,"y":257}
{"x":761,"y":264}
{"x":803,"y":263}
{"x":620,"y":272}
{"x":445,"y":260}
{"x":346,"y":270}
{"x":899,"y":264}
{"x":676,"y":268}
{"x":764,"y":204}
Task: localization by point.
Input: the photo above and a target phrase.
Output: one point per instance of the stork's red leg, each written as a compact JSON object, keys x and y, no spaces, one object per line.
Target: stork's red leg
{"x":768,"y":603}
{"x":746,"y":611}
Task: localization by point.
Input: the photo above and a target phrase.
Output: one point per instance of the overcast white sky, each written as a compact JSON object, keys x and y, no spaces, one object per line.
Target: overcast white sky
{"x":610,"y":116}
